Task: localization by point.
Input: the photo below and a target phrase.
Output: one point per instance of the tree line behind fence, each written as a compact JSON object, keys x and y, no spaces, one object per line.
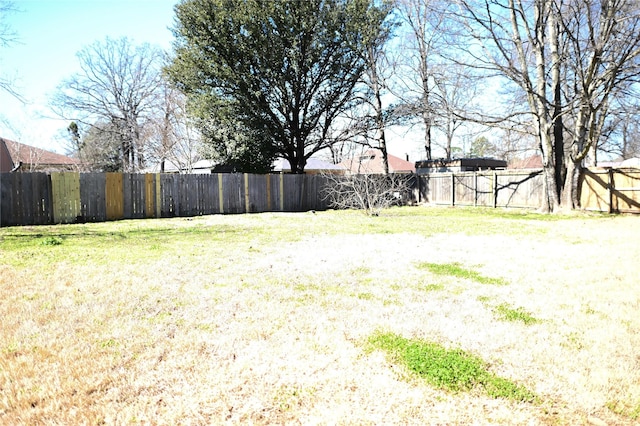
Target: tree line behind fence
{"x":40,"y":198}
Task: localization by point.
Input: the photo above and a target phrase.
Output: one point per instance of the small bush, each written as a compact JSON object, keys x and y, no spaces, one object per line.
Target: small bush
{"x":367,"y":192}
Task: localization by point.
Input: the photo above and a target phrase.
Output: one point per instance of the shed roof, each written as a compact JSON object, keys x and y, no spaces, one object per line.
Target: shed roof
{"x":475,"y":163}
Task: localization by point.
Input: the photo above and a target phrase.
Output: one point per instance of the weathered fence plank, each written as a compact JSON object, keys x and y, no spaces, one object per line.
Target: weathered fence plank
{"x":65,"y":190}
{"x":25,"y":198}
{"x":149,"y":195}
{"x":93,"y":197}
{"x":114,"y":196}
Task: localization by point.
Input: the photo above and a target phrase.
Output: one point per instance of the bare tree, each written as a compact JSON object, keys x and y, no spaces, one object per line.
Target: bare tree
{"x":370,"y":115}
{"x":621,"y":133}
{"x":8,"y":37}
{"x":115,"y":94}
{"x":426,"y":21}
{"x":456,"y":90}
{"x":568,"y":58}
{"x":172,"y":135}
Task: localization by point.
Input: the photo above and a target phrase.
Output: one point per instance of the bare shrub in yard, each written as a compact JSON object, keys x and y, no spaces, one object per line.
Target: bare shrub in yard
{"x":368,"y":192}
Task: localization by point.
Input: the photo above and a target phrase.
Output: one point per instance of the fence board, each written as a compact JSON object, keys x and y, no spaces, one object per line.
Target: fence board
{"x":233,"y":192}
{"x":65,"y":190}
{"x":257,"y":192}
{"x":93,"y":197}
{"x":114,"y":196}
{"x":149,"y":195}
{"x":41,"y":199}
{"x":134,"y":195}
{"x":167,"y":203}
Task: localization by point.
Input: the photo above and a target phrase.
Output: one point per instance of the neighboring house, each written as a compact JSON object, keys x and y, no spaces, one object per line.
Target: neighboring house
{"x":313,"y":167}
{"x":16,"y":156}
{"x":631,"y":163}
{"x":198,"y":167}
{"x":459,"y":165}
{"x":533,"y":162}
{"x":371,"y":162}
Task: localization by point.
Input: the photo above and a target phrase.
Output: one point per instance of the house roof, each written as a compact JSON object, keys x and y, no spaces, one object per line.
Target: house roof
{"x":312,"y":164}
{"x":6,"y":163}
{"x":30,"y":155}
{"x":370,"y":161}
{"x":533,"y":162}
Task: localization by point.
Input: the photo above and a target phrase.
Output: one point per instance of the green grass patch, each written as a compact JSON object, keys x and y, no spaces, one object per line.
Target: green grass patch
{"x":450,"y":369}
{"x":51,"y":241}
{"x":508,"y":313}
{"x":455,"y":269}
{"x":433,"y":287}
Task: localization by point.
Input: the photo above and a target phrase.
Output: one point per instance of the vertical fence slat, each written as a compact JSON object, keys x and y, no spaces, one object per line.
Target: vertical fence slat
{"x":66,"y":197}
{"x":114,"y":196}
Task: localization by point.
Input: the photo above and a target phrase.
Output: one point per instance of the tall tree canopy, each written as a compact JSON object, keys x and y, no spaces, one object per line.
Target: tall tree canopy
{"x":115,"y":95}
{"x":283,"y":70}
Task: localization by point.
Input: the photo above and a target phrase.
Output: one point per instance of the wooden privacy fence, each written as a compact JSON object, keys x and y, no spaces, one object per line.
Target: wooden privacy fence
{"x":610,"y":190}
{"x":39,"y":198}
{"x":504,"y":188}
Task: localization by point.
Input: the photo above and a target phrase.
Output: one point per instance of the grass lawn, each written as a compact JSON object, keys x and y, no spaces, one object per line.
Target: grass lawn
{"x":419,"y":316}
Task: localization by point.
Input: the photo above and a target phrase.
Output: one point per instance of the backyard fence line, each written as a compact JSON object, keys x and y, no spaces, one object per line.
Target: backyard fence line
{"x":495,"y":188}
{"x":70,"y":197}
{"x":604,"y":190}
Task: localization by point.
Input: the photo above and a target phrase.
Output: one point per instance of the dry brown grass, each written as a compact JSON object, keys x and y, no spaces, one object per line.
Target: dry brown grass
{"x":261,"y":319}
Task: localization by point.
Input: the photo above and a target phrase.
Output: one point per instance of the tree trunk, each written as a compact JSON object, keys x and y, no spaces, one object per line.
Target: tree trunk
{"x":427,"y":134}
{"x":558,"y":125}
{"x":570,"y":194}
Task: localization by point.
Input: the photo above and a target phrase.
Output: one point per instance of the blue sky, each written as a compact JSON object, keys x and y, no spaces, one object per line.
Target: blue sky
{"x":50,"y":33}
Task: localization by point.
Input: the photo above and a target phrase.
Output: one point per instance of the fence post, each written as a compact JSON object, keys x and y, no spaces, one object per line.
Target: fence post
{"x":610,"y":187}
{"x":453,"y":189}
{"x":495,"y":190}
{"x":220,"y":193}
{"x":269,"y":192}
{"x":247,"y":204}
{"x":281,"y":192}
{"x":475,"y":188}
{"x":158,"y":197}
